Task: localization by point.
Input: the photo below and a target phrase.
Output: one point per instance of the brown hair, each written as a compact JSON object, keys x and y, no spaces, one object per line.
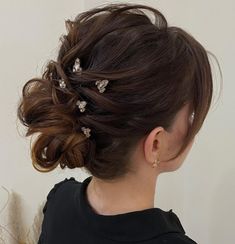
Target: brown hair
{"x":153,"y":70}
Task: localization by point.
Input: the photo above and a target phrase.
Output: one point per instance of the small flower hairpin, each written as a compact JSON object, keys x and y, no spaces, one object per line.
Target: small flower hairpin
{"x":86,"y":131}
{"x":62,"y":83}
{"x":76,"y":66}
{"x":81,"y":105}
{"x":101,"y":84}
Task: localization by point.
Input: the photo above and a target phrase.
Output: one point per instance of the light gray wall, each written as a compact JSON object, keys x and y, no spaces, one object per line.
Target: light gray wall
{"x":202,"y":191}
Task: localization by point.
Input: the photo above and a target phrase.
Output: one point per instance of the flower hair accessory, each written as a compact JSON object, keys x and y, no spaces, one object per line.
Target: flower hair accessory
{"x":76,"y":66}
{"x":86,"y":131}
{"x":101,"y":84}
{"x":62,"y":83}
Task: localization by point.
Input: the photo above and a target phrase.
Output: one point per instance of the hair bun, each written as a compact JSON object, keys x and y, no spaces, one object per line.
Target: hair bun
{"x":155,"y":70}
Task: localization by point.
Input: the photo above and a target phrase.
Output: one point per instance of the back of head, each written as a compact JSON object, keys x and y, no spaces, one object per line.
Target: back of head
{"x":153,"y":70}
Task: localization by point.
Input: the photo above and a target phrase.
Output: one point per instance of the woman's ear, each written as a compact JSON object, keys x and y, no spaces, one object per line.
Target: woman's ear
{"x":154,"y":144}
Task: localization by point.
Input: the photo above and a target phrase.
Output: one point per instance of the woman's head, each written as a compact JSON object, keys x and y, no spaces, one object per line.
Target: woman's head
{"x":158,"y":76}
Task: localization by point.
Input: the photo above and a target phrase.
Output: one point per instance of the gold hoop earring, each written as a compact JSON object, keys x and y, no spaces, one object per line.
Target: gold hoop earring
{"x":156,"y":163}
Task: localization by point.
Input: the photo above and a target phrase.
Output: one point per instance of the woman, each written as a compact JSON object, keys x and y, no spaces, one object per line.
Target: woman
{"x":124,"y":100}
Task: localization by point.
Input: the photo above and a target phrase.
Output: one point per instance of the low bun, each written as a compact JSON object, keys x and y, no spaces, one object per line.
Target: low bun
{"x":48,"y":109}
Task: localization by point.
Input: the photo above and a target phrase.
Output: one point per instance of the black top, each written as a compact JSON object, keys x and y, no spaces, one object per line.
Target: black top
{"x":69,"y":219}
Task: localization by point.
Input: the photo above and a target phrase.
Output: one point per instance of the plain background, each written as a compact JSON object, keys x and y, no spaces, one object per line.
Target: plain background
{"x":202,"y":191}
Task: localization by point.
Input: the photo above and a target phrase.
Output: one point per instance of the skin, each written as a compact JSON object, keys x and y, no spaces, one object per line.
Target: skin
{"x":136,"y":191}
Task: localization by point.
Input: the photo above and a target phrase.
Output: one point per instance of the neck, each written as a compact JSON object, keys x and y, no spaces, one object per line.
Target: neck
{"x":129,"y":194}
